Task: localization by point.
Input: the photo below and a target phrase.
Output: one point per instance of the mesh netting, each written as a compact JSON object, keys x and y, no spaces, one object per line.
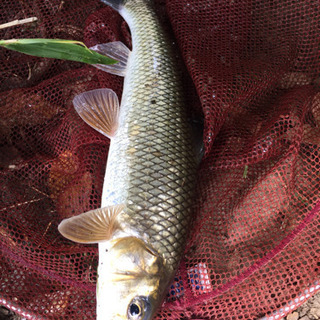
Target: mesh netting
{"x":253,"y":249}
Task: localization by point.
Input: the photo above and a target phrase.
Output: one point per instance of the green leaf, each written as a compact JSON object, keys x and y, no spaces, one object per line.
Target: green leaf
{"x":245,"y":172}
{"x":58,"y":49}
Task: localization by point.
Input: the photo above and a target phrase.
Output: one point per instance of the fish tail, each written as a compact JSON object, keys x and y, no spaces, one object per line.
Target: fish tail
{"x":118,"y":4}
{"x":115,"y":4}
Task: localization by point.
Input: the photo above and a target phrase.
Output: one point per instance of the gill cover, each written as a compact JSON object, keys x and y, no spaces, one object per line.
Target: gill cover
{"x":132,"y":280}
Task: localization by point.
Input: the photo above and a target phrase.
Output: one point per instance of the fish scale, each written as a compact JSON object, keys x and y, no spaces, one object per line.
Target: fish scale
{"x":147,"y":195}
{"x":161,"y":170}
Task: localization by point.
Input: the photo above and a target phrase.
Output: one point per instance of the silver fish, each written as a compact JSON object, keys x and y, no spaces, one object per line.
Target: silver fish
{"x":149,"y":182}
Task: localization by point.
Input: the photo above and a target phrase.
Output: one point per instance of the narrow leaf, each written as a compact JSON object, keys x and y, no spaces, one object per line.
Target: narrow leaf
{"x":245,"y":172}
{"x":57,"y":49}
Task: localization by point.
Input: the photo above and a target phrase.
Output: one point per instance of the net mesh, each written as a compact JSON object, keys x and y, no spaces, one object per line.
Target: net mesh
{"x":253,"y":250}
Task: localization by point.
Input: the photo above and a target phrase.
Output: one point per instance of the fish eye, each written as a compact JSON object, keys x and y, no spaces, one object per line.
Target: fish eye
{"x":134,"y":310}
{"x":138,"y":307}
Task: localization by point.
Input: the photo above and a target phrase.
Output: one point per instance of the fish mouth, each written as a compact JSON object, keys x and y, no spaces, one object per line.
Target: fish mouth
{"x":127,"y":276}
{"x":124,"y":276}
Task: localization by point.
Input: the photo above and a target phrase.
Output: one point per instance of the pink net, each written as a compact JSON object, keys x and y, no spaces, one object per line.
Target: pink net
{"x":253,"y":249}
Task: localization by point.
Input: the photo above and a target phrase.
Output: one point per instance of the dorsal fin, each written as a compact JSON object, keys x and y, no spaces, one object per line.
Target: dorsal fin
{"x":99,"y":109}
{"x":93,"y":226}
{"x":115,"y":50}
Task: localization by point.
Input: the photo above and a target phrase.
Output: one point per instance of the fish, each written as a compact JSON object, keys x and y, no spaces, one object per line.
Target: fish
{"x":148,"y":191}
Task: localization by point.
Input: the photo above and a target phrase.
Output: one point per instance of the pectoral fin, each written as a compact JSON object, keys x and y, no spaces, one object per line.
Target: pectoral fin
{"x":93,"y":226}
{"x":115,"y":50}
{"x":99,"y":109}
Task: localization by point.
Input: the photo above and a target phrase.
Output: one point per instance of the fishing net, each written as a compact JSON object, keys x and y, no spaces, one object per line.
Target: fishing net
{"x":253,"y":71}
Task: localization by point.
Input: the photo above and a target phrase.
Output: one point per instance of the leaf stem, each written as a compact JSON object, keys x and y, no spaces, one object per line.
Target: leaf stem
{"x":18,"y":22}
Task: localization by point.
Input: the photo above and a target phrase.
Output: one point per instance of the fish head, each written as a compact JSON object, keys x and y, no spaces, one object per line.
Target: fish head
{"x":132,"y":281}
